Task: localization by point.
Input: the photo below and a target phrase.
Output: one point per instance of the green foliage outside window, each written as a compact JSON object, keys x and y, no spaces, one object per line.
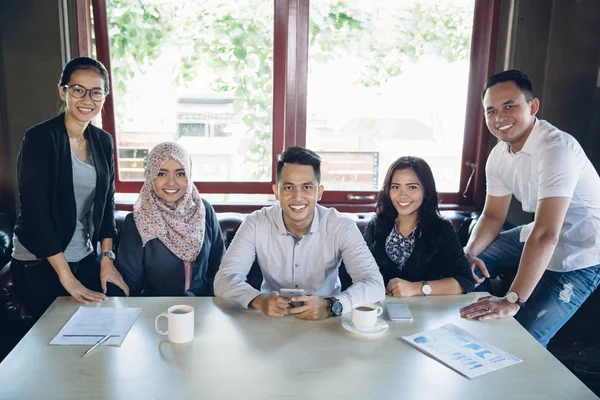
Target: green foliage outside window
{"x":225,"y":36}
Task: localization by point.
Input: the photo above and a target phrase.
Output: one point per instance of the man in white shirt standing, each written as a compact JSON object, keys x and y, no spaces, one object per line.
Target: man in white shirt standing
{"x":299,"y":245}
{"x":557,"y":256}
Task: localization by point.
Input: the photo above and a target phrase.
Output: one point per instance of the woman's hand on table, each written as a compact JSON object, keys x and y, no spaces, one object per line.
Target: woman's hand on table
{"x":489,"y":307}
{"x":80,"y":292}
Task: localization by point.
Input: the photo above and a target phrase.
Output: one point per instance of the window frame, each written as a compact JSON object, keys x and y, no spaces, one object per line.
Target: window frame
{"x":290,"y":76}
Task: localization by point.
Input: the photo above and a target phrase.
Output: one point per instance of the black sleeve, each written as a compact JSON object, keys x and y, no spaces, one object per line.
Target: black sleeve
{"x":217,"y":245}
{"x":130,"y":257}
{"x":369,"y":234}
{"x":455,"y":264}
{"x":107,"y":227}
{"x":386,"y":266}
{"x":33,"y":172}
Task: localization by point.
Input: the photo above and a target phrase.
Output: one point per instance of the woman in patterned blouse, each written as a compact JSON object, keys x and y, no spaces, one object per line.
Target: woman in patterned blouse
{"x":417,"y":251}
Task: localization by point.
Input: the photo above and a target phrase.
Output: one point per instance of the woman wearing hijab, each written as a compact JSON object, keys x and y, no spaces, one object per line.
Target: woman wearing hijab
{"x":171,"y":245}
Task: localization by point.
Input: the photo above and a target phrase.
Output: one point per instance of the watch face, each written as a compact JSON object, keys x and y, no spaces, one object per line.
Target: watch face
{"x":336,"y":307}
{"x":426,"y":290}
{"x":512,"y":297}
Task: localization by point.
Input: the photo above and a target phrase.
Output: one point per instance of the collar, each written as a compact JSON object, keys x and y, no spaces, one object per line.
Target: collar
{"x":282,"y":230}
{"x":531,"y":143}
{"x":411,"y":234}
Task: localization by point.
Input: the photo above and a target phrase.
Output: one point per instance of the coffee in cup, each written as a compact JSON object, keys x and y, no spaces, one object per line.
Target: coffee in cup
{"x":364,"y":316}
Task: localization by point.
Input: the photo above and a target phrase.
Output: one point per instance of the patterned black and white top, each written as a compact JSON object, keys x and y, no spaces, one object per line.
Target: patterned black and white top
{"x":398,"y":248}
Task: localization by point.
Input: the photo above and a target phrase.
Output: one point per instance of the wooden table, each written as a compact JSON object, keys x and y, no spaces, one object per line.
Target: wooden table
{"x":240,"y":354}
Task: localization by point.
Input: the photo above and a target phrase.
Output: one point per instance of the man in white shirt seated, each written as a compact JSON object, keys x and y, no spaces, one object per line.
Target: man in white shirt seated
{"x":557,"y":256}
{"x":299,"y":245}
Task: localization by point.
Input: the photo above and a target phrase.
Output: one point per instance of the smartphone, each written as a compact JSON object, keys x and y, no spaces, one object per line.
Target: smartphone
{"x":289,"y":293}
{"x":398,"y":312}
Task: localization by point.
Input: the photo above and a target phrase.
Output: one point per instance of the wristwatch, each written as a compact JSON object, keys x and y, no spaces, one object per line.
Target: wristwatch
{"x":426,"y":289}
{"x":108,"y":254}
{"x":335,"y":306}
{"x":513,"y":298}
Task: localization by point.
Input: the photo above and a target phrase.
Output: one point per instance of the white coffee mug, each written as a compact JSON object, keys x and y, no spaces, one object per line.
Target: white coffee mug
{"x":180,"y":320}
{"x":364,"y":316}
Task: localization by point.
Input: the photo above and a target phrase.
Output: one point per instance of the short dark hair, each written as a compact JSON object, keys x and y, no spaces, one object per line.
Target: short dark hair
{"x":84,"y":63}
{"x":299,"y":156}
{"x":512,"y":75}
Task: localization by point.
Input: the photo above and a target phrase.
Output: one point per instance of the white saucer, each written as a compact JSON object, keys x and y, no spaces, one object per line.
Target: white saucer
{"x":380,"y":327}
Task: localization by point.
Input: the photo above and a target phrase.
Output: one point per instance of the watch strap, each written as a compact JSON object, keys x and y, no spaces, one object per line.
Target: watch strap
{"x":108,"y":254}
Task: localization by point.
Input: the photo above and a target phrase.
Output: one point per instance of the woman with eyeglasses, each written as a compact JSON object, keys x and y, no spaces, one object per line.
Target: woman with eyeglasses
{"x":66,"y":189}
{"x":417,"y":251}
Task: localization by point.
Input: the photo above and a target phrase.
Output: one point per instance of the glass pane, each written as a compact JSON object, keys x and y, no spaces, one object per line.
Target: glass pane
{"x":199,"y":73}
{"x":388,"y":78}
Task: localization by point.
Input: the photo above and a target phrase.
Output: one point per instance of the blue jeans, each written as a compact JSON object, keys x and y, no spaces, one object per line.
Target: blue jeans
{"x":555,"y":298}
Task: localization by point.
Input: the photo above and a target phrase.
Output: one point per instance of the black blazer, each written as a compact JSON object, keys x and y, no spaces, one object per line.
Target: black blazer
{"x":448,"y":261}
{"x":45,"y":174}
{"x":153,"y":270}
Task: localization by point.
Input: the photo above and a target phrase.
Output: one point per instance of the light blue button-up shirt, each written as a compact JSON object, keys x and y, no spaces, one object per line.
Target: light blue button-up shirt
{"x":309,"y":263}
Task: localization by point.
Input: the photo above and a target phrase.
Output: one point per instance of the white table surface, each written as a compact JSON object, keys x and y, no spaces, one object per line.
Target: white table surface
{"x":242,"y":354}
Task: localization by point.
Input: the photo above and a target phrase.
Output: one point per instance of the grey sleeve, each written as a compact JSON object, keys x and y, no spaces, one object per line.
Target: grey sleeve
{"x":230,"y":280}
{"x":367,"y":282}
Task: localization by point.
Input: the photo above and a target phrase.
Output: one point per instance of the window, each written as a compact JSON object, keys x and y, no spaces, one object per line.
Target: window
{"x":359,"y":82}
{"x":209,"y":89}
{"x":399,"y":90}
{"x":132,"y":163}
{"x":197,"y":129}
{"x":389,"y":77}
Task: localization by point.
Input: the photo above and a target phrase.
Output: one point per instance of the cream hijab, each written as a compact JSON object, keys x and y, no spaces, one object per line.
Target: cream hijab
{"x":180,"y":226}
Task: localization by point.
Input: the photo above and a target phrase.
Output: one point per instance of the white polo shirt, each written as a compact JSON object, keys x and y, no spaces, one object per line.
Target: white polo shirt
{"x":552,"y":164}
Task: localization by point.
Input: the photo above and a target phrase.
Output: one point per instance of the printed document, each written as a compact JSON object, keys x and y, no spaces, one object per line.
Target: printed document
{"x":461,"y":351}
{"x":90,"y":324}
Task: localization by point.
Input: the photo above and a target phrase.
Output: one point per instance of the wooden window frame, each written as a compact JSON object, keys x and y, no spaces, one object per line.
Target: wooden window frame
{"x":290,"y":73}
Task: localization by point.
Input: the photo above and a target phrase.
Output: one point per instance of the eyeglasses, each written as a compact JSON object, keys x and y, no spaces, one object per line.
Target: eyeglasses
{"x":79,"y":92}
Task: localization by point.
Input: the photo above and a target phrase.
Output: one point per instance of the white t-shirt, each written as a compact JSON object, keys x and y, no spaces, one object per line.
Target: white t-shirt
{"x":552,"y":164}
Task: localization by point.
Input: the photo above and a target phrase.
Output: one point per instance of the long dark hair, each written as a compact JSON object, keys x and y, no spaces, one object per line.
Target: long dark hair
{"x":429,"y":209}
{"x":429,"y":214}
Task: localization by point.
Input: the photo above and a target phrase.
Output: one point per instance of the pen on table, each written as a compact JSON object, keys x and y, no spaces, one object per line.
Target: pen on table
{"x":98,"y":343}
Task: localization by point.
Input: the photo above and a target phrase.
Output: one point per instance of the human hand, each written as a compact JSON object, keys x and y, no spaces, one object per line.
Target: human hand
{"x":80,"y":292}
{"x":401,"y":288}
{"x":314,"y":308}
{"x":108,"y":273}
{"x":271,"y":305}
{"x":489,"y":307}
{"x":475,"y":262}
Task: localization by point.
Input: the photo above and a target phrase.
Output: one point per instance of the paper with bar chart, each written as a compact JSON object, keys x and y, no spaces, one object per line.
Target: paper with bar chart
{"x":461,"y":351}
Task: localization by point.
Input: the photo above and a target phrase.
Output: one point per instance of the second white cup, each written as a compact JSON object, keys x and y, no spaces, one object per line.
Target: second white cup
{"x":180,"y":320}
{"x":364,"y":316}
